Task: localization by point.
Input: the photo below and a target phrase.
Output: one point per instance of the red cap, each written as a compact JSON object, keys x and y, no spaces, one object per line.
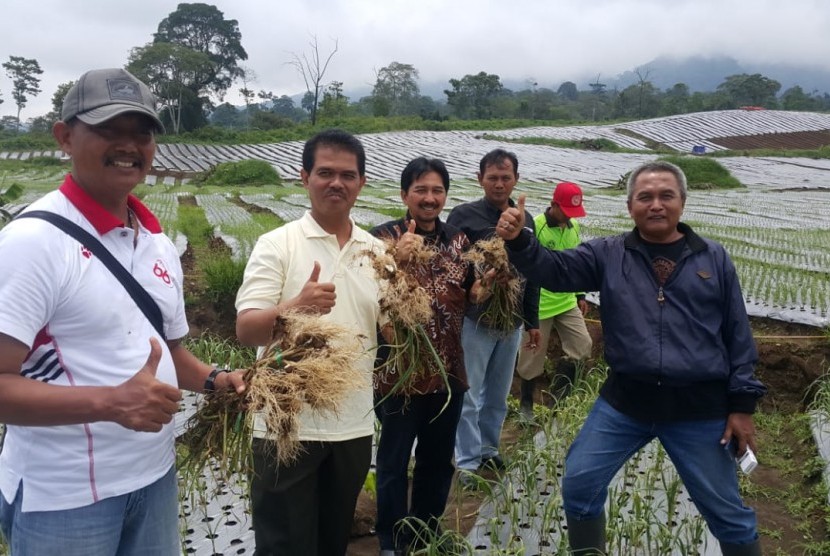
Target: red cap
{"x":569,"y":198}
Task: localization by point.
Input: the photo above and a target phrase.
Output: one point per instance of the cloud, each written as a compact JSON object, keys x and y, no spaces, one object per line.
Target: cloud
{"x":549,"y":41}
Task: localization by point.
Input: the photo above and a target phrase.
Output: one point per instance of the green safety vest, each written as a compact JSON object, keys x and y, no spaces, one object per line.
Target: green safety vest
{"x":556,"y":239}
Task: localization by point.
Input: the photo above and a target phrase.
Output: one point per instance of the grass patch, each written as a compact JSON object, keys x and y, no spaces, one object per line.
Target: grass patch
{"x":222,"y":276}
{"x":585,"y":144}
{"x":704,"y":173}
{"x":242,"y":172}
{"x":193,"y":224}
{"x":221,"y":352}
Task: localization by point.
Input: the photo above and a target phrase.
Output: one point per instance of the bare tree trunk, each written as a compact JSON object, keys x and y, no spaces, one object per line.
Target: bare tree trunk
{"x":312,"y":71}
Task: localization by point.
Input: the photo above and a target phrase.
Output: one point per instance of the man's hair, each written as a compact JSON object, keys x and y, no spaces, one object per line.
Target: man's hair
{"x":496,"y":157}
{"x":422,"y":165}
{"x":657,"y":166}
{"x":338,"y":140}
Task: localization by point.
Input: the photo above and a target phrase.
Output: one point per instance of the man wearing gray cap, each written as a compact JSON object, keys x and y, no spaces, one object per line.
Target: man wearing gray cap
{"x":89,"y":371}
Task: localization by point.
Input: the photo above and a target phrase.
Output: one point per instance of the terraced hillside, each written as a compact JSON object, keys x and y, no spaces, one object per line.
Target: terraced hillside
{"x":387,"y":153}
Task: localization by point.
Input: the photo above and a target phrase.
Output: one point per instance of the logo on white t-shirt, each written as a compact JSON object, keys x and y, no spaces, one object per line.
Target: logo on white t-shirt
{"x":160,"y":272}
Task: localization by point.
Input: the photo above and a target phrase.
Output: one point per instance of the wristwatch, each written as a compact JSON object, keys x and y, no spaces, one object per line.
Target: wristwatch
{"x":210,"y":381}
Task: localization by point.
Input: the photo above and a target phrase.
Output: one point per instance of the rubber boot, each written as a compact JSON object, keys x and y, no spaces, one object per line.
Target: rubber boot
{"x":751,"y":549}
{"x":563,"y":379}
{"x":526,"y":400}
{"x":586,"y":537}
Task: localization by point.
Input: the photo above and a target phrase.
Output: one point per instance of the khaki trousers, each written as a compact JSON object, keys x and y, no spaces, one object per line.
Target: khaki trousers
{"x":573,"y":335}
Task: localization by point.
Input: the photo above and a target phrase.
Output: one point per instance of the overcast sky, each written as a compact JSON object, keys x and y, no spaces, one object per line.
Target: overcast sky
{"x":547,"y":41}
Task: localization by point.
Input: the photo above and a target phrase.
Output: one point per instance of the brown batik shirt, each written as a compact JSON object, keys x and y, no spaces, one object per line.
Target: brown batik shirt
{"x":447,"y":278}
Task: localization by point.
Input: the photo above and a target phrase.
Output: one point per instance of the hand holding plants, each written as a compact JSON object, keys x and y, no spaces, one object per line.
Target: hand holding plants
{"x":232,"y":380}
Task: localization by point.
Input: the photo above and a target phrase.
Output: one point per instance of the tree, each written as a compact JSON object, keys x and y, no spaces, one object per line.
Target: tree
{"x":795,"y":98}
{"x":307,"y":102}
{"x":534,"y":103}
{"x":598,"y":97}
{"x":226,"y":115}
{"x":8,"y":122}
{"x":396,"y":90}
{"x":195,"y":53}
{"x":567,"y":90}
{"x":750,"y":90}
{"x":203,"y":28}
{"x":334,"y":104}
{"x":23,"y":72}
{"x":645,"y":88}
{"x":261,"y":119}
{"x":46,"y":121}
{"x":248,"y":76}
{"x":282,"y":106}
{"x":474,"y":95}
{"x":173,"y":73}
{"x":429,"y":108}
{"x":312,"y":68}
{"x":676,"y":99}
{"x":637,"y":101}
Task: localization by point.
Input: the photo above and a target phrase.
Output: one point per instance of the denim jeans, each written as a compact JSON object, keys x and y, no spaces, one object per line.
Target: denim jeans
{"x":609,"y":438}
{"x":422,"y":417}
{"x":490,"y":358}
{"x":143,"y":522}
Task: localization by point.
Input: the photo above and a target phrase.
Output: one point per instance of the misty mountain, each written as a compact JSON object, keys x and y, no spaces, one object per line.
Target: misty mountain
{"x":699,"y":73}
{"x":705,"y":74}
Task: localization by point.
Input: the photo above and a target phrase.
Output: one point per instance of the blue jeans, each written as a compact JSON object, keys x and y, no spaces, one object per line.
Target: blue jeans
{"x":490,"y":358}
{"x":609,"y":438}
{"x":422,"y":417}
{"x":143,"y":522}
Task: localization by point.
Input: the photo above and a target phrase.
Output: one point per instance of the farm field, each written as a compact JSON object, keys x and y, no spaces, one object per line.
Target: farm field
{"x":777,"y":230}
{"x":776,"y":236}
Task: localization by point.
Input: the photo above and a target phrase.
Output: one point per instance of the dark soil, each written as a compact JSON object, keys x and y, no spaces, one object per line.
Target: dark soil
{"x":791,"y":140}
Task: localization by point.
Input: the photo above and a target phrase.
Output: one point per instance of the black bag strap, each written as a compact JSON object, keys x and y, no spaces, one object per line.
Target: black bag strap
{"x":146,"y":303}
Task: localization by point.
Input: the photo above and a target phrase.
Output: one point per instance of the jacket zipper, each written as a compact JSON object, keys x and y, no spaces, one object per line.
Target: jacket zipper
{"x":661,"y":299}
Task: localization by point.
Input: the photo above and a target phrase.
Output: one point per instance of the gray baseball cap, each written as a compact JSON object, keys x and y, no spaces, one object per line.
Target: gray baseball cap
{"x":100,"y":95}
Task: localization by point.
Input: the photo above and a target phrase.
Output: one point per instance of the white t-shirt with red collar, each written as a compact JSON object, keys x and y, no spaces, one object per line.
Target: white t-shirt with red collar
{"x":84,"y":329}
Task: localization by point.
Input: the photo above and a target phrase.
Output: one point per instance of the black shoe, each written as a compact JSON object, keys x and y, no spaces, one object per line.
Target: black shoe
{"x":494,"y":463}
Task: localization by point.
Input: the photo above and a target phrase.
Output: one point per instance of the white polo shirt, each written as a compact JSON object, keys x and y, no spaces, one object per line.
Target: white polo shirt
{"x":84,"y":329}
{"x":280,"y":265}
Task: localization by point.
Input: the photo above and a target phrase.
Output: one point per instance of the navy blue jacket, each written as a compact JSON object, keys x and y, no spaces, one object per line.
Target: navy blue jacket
{"x":692,"y":329}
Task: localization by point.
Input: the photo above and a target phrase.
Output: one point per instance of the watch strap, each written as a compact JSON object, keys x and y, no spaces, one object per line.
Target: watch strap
{"x":210,"y":381}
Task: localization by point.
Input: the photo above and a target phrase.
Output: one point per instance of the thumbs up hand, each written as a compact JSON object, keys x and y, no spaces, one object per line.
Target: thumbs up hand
{"x":317,"y":297}
{"x":407,"y":243}
{"x":512,"y":220}
{"x":144,"y":403}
